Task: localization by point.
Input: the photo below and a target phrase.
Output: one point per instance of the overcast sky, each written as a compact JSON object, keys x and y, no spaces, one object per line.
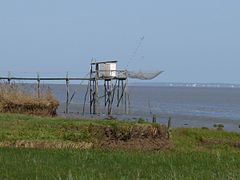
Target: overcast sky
{"x":192,"y":41}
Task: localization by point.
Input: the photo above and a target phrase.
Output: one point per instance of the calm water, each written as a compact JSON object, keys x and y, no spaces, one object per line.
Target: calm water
{"x":188,"y":106}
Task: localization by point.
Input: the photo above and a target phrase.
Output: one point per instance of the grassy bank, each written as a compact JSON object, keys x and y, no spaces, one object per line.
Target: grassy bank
{"x":39,"y":132}
{"x":194,"y":153}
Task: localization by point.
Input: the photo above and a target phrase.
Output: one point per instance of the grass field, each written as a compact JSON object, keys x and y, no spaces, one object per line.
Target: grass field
{"x":195,"y":153}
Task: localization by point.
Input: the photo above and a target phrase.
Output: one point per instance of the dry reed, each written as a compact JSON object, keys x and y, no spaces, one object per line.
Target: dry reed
{"x":13,"y":99}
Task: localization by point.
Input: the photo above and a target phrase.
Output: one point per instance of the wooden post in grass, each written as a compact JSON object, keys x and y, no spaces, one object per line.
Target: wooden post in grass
{"x":169,"y":131}
{"x":67,"y":98}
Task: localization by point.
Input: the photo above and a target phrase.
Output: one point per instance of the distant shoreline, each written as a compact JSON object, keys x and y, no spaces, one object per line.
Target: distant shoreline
{"x":152,"y":84}
{"x":193,"y":85}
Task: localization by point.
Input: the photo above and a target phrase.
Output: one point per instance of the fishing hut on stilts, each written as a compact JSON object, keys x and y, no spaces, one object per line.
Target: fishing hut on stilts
{"x":107,"y":87}
{"x":114,"y":87}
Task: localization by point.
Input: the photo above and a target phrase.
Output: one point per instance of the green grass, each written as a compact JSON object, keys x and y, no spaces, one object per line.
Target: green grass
{"x":24,"y":127}
{"x":64,"y":164}
{"x":190,"y":157}
{"x":190,"y":139}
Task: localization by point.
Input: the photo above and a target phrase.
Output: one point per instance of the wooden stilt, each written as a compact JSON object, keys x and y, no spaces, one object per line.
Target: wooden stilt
{"x":96,"y":98}
{"x":91,"y":90}
{"x":67,"y":98}
{"x":118,"y":90}
{"x":126,"y":98}
{"x":9,"y":77}
{"x":109,"y":97}
{"x":85,"y":99}
{"x":105,"y":93}
{"x":90,"y":96}
{"x":38,"y":85}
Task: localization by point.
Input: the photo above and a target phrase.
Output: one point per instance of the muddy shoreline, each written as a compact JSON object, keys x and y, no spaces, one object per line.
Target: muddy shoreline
{"x":178,"y":121}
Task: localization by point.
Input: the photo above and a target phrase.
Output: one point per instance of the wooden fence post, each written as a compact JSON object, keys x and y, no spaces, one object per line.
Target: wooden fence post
{"x":169,"y":131}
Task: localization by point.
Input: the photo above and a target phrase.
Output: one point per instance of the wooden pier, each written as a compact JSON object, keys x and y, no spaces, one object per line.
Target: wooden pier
{"x":114,"y":85}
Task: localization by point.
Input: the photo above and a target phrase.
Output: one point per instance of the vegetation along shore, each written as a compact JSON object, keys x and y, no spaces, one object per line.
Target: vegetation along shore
{"x":58,"y":148}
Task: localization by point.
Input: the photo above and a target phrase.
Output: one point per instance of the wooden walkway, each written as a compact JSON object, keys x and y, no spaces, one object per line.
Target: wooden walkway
{"x":46,"y":78}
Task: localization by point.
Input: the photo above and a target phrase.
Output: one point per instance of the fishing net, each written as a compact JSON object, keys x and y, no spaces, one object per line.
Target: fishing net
{"x":143,"y":75}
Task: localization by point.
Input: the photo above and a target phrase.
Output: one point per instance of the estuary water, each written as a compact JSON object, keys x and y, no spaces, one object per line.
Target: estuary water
{"x":189,"y":105}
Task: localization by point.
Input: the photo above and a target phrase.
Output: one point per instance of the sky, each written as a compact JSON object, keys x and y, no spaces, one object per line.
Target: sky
{"x":192,"y":41}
